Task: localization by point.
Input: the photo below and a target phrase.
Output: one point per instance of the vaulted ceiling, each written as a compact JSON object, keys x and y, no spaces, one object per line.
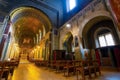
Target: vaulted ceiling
{"x":27,"y":23}
{"x":29,"y":17}
{"x":56,"y":10}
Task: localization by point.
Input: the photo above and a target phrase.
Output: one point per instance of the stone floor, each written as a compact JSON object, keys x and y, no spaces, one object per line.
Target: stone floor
{"x":28,"y":71}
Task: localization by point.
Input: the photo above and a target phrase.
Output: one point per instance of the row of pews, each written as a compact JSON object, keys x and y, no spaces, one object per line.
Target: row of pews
{"x":7,"y":67}
{"x":76,"y":67}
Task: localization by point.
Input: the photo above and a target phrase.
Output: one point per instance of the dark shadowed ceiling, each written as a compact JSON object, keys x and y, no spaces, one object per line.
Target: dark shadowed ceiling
{"x":56,"y":10}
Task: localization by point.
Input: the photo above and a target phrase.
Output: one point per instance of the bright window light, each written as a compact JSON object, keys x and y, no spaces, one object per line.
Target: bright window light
{"x":106,"y":40}
{"x":102,"y":41}
{"x":109,"y":39}
{"x":71,"y":4}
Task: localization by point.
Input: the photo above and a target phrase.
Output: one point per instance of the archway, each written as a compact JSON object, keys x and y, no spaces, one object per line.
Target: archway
{"x":68,"y":42}
{"x":93,"y":30}
{"x":95,"y":26}
{"x":28,"y":27}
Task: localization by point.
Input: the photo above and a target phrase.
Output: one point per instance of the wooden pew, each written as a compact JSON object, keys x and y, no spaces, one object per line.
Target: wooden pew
{"x":38,"y":62}
{"x":7,"y":67}
{"x":44,"y":63}
{"x":4,"y":69}
{"x":71,"y":66}
{"x":15,"y":62}
{"x":53,"y":64}
{"x":11,"y":65}
{"x":1,"y":70}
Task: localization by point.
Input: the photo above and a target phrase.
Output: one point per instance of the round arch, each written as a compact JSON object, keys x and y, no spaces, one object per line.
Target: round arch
{"x":68,"y":42}
{"x":17,"y":12}
{"x":27,"y":20}
{"x":91,"y":29}
{"x":101,"y":14}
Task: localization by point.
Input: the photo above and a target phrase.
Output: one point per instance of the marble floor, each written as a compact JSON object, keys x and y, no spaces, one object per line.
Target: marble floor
{"x":28,"y":71}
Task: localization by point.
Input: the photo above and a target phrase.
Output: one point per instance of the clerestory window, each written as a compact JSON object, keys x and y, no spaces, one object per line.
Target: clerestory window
{"x":71,"y":4}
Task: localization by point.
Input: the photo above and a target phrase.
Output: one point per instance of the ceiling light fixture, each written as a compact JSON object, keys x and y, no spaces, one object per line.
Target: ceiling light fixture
{"x":68,"y":25}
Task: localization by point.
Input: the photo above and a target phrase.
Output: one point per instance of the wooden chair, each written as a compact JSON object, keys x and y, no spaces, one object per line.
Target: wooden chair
{"x":69,"y":68}
{"x":84,"y":69}
{"x":60,"y":65}
{"x":52,"y":64}
{"x":87,"y":68}
{"x":96,"y":67}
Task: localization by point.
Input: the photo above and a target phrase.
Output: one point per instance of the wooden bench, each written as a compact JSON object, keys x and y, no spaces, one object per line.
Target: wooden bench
{"x":7,"y":67}
{"x":38,"y":62}
{"x":4,"y":69}
{"x":1,"y":69}
{"x":53,"y":64}
{"x":71,"y":67}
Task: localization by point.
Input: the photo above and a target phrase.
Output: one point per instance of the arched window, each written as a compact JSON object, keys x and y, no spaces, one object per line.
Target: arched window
{"x":106,"y":40}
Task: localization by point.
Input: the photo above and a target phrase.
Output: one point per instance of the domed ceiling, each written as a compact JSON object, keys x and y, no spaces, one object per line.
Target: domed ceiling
{"x":27,"y":23}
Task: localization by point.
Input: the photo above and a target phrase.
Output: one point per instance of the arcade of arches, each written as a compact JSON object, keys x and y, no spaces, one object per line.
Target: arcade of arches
{"x":30,"y":31}
{"x":30,"y":36}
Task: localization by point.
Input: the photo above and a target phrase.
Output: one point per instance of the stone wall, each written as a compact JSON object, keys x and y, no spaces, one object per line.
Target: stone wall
{"x":78,"y":22}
